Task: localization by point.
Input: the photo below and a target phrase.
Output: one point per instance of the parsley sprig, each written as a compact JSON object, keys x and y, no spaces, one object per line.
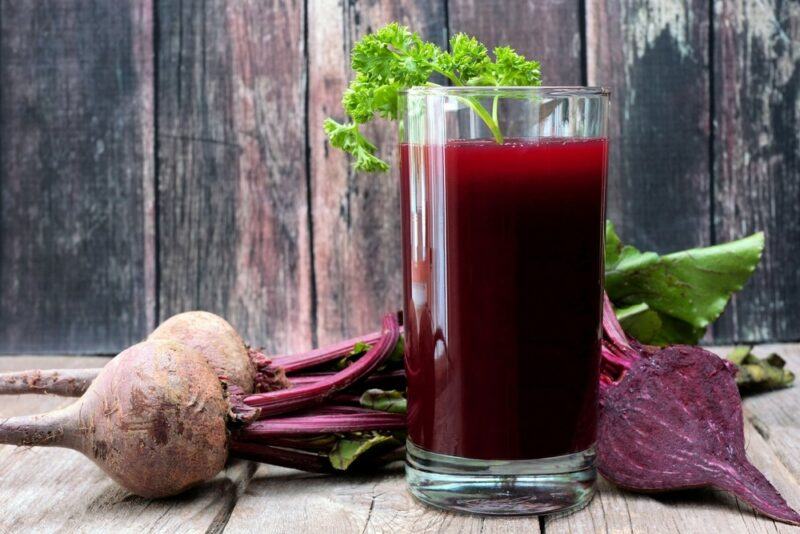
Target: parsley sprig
{"x":394,"y":58}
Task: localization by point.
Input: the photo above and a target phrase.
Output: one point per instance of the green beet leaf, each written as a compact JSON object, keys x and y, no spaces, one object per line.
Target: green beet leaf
{"x":348,"y":450}
{"x":759,"y":374}
{"x":673,"y":298}
{"x":386,"y":401}
{"x":654,"y":328}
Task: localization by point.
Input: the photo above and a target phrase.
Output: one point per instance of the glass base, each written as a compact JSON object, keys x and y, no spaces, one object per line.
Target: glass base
{"x":560,"y":484}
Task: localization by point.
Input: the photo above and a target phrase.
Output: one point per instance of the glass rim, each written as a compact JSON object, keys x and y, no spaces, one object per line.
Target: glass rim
{"x":484,"y":90}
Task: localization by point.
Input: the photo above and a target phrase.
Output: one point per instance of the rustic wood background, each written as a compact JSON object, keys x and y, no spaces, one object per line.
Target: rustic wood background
{"x":157,"y":156}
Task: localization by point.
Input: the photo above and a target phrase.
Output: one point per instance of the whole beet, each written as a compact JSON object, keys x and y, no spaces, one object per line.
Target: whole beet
{"x":154,"y":420}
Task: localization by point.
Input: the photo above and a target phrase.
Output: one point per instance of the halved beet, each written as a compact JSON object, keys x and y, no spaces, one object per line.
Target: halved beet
{"x":674,"y":420}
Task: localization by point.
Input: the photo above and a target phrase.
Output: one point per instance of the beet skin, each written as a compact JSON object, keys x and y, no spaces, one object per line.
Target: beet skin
{"x":154,"y":420}
{"x":214,"y":338}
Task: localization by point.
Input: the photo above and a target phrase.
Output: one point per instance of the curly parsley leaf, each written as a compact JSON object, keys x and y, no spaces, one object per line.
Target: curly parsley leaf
{"x":466,"y":61}
{"x":349,"y":138}
{"x":394,"y":58}
{"x":510,"y":68}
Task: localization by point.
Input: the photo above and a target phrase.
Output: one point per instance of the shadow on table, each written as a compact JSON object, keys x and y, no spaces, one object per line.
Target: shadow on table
{"x":707,"y":498}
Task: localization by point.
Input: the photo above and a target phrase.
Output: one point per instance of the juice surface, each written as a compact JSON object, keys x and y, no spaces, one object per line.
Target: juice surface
{"x":503,"y":270}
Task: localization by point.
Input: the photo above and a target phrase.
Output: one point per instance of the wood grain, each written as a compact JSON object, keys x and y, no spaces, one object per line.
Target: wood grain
{"x":312,"y":503}
{"x":233,"y":220}
{"x":690,"y":511}
{"x":77,"y":263}
{"x":356,"y":216}
{"x":757,"y":159}
{"x":57,"y":490}
{"x":654,"y":56}
{"x":548,"y":31}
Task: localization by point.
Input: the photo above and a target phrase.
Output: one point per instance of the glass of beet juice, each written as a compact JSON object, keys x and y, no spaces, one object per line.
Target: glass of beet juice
{"x":503,"y":210}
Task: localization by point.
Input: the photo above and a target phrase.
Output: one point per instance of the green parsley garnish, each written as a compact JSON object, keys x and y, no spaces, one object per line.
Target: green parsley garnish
{"x":394,"y":58}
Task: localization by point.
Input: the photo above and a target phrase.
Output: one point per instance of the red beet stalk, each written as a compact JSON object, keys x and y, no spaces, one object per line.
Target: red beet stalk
{"x":322,"y":355}
{"x":323,"y":423}
{"x":384,"y":380}
{"x":284,"y":457}
{"x":286,"y":400}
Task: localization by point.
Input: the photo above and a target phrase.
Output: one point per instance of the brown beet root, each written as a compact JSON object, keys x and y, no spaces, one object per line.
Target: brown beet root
{"x":154,"y":420}
{"x":214,"y":338}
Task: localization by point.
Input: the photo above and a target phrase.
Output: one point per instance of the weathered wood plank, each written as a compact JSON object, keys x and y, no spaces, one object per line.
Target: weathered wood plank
{"x":654,"y":56}
{"x":233,"y":220}
{"x":311,"y":503}
{"x":757,"y":159}
{"x":549,"y":32}
{"x":57,"y":490}
{"x":693,"y":511}
{"x":77,"y":262}
{"x":357,"y":252}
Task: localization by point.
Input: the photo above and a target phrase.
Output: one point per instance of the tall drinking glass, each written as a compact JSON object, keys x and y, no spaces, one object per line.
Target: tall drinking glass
{"x":503,"y":201}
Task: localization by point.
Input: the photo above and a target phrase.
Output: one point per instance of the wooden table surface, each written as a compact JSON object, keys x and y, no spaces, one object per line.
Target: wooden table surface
{"x":56,"y":490}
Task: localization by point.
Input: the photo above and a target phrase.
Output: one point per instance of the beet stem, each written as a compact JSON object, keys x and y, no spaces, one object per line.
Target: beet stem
{"x":304,"y":360}
{"x":321,"y":443}
{"x":347,"y":398}
{"x":613,"y":331}
{"x":63,"y":382}
{"x":323,"y":424}
{"x":335,"y":409}
{"x":384,"y":380}
{"x":295,"y":459}
{"x":612,"y":358}
{"x":277,"y":402}
{"x":302,"y":380}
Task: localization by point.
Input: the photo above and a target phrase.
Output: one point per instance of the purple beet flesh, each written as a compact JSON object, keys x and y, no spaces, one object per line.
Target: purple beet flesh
{"x":674,"y":420}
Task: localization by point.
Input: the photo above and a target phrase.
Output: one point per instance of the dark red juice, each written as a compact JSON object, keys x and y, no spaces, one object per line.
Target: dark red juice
{"x":503,"y":270}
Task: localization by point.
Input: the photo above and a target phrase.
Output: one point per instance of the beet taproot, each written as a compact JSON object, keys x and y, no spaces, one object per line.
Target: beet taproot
{"x":62,"y":382}
{"x":154,"y":420}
